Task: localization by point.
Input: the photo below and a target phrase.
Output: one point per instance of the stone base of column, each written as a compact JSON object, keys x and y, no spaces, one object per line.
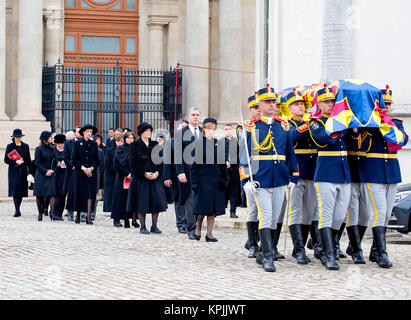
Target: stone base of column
{"x":31,"y":130}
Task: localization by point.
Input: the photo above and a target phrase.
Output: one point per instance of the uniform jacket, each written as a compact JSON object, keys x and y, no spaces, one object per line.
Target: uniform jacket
{"x":334,"y":168}
{"x":380,"y":170}
{"x":304,"y":148}
{"x":271,"y":153}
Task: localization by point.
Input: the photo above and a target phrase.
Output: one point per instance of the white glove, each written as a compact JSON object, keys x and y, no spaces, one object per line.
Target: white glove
{"x":250,"y":187}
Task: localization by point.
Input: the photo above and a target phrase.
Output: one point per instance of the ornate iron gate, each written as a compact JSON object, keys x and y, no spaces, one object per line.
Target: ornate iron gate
{"x":114,"y":97}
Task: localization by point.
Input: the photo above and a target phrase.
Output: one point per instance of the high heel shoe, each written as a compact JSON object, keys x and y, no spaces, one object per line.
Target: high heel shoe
{"x":211,"y":239}
{"x":197,"y":237}
{"x":135,"y":224}
{"x":40,"y":217}
{"x":89,"y":221}
{"x":77,"y":219}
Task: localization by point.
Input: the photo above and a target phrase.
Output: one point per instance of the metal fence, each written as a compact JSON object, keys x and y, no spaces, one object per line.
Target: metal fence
{"x":114,"y":97}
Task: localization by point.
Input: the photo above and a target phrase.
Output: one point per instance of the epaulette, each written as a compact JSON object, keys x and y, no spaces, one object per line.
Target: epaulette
{"x":247,"y":124}
{"x":303,"y":127}
{"x":313,"y":117}
{"x":284,"y":123}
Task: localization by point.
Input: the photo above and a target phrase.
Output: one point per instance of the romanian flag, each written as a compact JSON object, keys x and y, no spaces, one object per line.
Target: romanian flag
{"x":359,"y":104}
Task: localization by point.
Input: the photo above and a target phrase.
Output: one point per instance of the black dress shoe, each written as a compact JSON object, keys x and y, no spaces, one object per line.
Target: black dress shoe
{"x":89,"y":222}
{"x":135,"y":224}
{"x":40,"y":217}
{"x":182,"y":230}
{"x":126,"y":224}
{"x":211,"y":239}
{"x":118,"y":224}
{"x":17,"y":214}
{"x":155,"y":229}
{"x":143,"y":230}
{"x":192,"y":236}
{"x":233,"y":215}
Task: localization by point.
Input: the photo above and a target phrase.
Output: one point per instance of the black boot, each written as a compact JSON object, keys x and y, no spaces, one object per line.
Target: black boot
{"x":355,"y":241}
{"x":336,"y":242}
{"x":340,"y":233}
{"x":253,"y":245}
{"x":296,"y":236}
{"x":328,"y":249}
{"x":361,"y":230}
{"x":267,"y":251}
{"x":380,"y":244}
{"x":315,"y":239}
{"x":276,"y":238}
{"x":305,"y":230}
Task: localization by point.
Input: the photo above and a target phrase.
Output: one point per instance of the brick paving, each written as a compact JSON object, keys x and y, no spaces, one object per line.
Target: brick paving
{"x":62,"y":260}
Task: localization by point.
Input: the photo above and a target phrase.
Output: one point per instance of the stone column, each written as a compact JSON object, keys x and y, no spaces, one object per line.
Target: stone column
{"x":337,"y":41}
{"x":3,"y":115}
{"x":30,"y":62}
{"x":230,"y":59}
{"x":196,"y":81}
{"x":259,"y":44}
{"x":54,"y":35}
{"x":156,"y":44}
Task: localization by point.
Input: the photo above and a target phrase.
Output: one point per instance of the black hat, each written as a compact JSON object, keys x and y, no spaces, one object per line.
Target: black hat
{"x":143,"y":127}
{"x":59,"y":138}
{"x":88,"y":126}
{"x":212,"y":120}
{"x":45,"y":135}
{"x":17,"y":133}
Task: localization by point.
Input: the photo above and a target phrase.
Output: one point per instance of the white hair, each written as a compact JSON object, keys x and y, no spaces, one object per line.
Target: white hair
{"x":193,"y":109}
{"x":70,"y":135}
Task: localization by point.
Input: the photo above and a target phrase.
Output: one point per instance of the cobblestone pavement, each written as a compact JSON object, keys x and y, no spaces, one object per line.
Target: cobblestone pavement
{"x":62,"y":260}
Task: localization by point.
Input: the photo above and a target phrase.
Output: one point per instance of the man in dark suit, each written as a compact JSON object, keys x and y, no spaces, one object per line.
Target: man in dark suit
{"x":183,"y":158}
{"x":233,"y":192}
{"x":171,"y":179}
{"x":110,"y":140}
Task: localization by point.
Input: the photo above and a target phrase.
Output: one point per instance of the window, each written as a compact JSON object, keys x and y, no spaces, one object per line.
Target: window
{"x":100,"y":44}
{"x":70,"y":3}
{"x":70,"y":43}
{"x":131,"y":45}
{"x":131,"y":5}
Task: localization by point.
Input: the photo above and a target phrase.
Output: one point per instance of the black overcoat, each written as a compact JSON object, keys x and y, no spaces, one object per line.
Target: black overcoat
{"x":60,"y":173}
{"x":232,"y":155}
{"x":45,"y":159}
{"x":109,"y":178}
{"x":85,"y":153}
{"x":144,"y":196}
{"x":209,"y":180}
{"x":122,"y":167}
{"x":184,"y":138}
{"x":18,"y":174}
{"x":169,"y":170}
{"x":68,"y":178}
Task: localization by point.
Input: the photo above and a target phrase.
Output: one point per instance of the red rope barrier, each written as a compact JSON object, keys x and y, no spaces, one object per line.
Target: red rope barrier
{"x":175,"y":101}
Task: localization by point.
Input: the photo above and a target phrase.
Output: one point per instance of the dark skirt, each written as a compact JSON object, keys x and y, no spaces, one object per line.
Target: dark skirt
{"x":60,"y":174}
{"x":109,"y":181}
{"x":119,"y":204}
{"x":44,"y":186}
{"x":18,"y":181}
{"x":146,"y":196}
{"x":209,"y":200}
{"x":84,"y":189}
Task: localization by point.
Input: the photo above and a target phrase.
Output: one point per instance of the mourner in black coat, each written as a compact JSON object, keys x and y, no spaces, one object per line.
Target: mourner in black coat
{"x":18,"y":170}
{"x":85,"y":161}
{"x":45,"y":178}
{"x":68,"y":178}
{"x":233,"y":191}
{"x":146,"y":192}
{"x":122,"y":167}
{"x":209,"y":178}
{"x":183,"y":148}
{"x":109,"y":178}
{"x":60,"y":172}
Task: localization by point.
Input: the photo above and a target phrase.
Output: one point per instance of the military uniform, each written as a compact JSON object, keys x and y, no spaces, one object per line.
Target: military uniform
{"x":381,"y":184}
{"x":272,"y":160}
{"x":302,"y":206}
{"x":252,"y":216}
{"x":332,"y":181}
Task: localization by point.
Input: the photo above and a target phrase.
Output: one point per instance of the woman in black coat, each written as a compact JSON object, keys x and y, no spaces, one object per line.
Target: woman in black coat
{"x":209,"y":179}
{"x":60,"y":175}
{"x":18,"y":169}
{"x":85,"y":161}
{"x":110,"y":173}
{"x":146,"y":192}
{"x":122,"y":167}
{"x":45,"y":178}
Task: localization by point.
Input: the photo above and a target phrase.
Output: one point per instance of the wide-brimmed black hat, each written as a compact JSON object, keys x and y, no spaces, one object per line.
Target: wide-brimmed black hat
{"x":212,"y":120}
{"x":17,"y":133}
{"x":143,"y":127}
{"x":88,"y":126}
{"x":59,"y":138}
{"x":45,"y":135}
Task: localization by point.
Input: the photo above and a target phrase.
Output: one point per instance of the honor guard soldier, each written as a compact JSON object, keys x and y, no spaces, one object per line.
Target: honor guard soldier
{"x":303,"y":198}
{"x":252,"y":217}
{"x":382,"y":180}
{"x":272,"y":159}
{"x":332,"y":178}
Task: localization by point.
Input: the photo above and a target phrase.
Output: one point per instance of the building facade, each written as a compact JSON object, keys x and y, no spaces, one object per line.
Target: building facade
{"x":226,"y":49}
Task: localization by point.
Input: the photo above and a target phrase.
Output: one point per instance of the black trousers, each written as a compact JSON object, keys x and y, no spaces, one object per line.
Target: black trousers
{"x":59,"y":205}
{"x":181,"y":220}
{"x":190,"y":217}
{"x":232,"y":196}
